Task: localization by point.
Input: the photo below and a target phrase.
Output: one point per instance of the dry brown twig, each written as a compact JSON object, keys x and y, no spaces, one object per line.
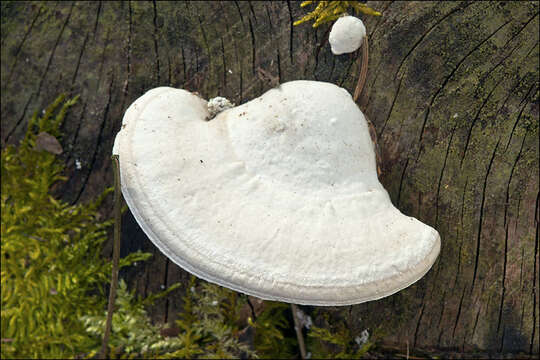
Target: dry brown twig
{"x":116,"y":256}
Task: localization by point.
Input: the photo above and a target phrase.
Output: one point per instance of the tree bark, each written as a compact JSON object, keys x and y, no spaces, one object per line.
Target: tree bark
{"x":452,"y":90}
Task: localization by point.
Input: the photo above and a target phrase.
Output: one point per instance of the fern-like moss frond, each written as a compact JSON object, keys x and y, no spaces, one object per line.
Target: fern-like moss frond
{"x":327,"y":11}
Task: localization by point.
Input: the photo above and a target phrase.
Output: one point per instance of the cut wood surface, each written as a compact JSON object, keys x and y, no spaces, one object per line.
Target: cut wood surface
{"x":452,"y":90}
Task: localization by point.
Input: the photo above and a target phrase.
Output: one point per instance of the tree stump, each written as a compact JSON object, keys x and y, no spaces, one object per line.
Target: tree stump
{"x":452,"y":90}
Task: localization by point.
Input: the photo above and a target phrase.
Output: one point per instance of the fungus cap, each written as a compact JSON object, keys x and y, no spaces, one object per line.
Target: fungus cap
{"x":346,"y":35}
{"x":277,"y":198}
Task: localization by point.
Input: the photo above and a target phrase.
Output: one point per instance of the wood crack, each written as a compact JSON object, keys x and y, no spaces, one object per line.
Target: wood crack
{"x":235,"y":46}
{"x":481,"y":219}
{"x":239,"y":61}
{"x":274,"y":42}
{"x":522,"y":302}
{"x":441,"y":176}
{"x":441,"y":329}
{"x":102,"y":61}
{"x":223,"y":62}
{"x":333,"y":67}
{"x":475,"y":119}
{"x":458,"y":313}
{"x":475,"y":326}
{"x":382,"y":19}
{"x":253,"y":47}
{"x":77,"y":130}
{"x":125,"y":88}
{"x":169,"y":70}
{"x":98,"y":143}
{"x":79,"y":60}
{"x":519,"y":115}
{"x":98,"y":13}
{"x":503,"y":281}
{"x":372,"y":86}
{"x":391,"y":108}
{"x":347,"y":73}
{"x":252,"y":12}
{"x":20,"y":120}
{"x":240,"y":13}
{"x":49,"y":62}
{"x":156,"y":51}
{"x":206,"y":43}
{"x":21,"y":44}
{"x":462,"y":212}
{"x":506,"y":225}
{"x":184,"y":69}
{"x":419,"y":320}
{"x":401,"y":181}
{"x":324,"y":41}
{"x":507,"y":202}
{"x":502,"y":339}
{"x":291,"y":34}
{"x":535,"y":273}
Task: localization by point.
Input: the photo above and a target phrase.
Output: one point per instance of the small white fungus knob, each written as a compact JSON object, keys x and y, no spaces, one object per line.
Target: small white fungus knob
{"x":217,"y":105}
{"x":346,"y":35}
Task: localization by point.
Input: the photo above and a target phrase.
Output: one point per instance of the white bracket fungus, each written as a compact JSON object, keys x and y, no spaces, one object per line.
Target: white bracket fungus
{"x":346,"y":35}
{"x":276,"y":198}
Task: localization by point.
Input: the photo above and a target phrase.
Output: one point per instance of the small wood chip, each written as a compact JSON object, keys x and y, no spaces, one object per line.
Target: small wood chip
{"x":47,"y":142}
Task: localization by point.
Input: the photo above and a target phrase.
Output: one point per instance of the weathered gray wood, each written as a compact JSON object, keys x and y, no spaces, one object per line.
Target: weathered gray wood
{"x":452,"y":90}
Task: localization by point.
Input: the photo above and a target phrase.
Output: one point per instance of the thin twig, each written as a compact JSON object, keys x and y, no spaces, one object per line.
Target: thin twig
{"x":298,"y":329}
{"x":253,"y":314}
{"x":363,"y":70}
{"x":116,"y":255}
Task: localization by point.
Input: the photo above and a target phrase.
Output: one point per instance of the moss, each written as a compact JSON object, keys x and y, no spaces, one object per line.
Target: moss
{"x":52,"y":271}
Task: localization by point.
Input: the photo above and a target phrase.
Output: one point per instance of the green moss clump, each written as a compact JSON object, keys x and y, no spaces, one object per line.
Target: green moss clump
{"x":327,"y":11}
{"x":52,"y":269}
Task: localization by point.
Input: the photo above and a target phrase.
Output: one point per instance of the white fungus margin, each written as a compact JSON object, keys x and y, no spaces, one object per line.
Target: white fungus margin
{"x":276,"y":198}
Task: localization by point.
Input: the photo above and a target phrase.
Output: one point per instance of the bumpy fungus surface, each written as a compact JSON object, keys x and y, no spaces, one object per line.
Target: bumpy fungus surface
{"x":346,"y":35}
{"x":217,"y":105}
{"x":277,"y":198}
